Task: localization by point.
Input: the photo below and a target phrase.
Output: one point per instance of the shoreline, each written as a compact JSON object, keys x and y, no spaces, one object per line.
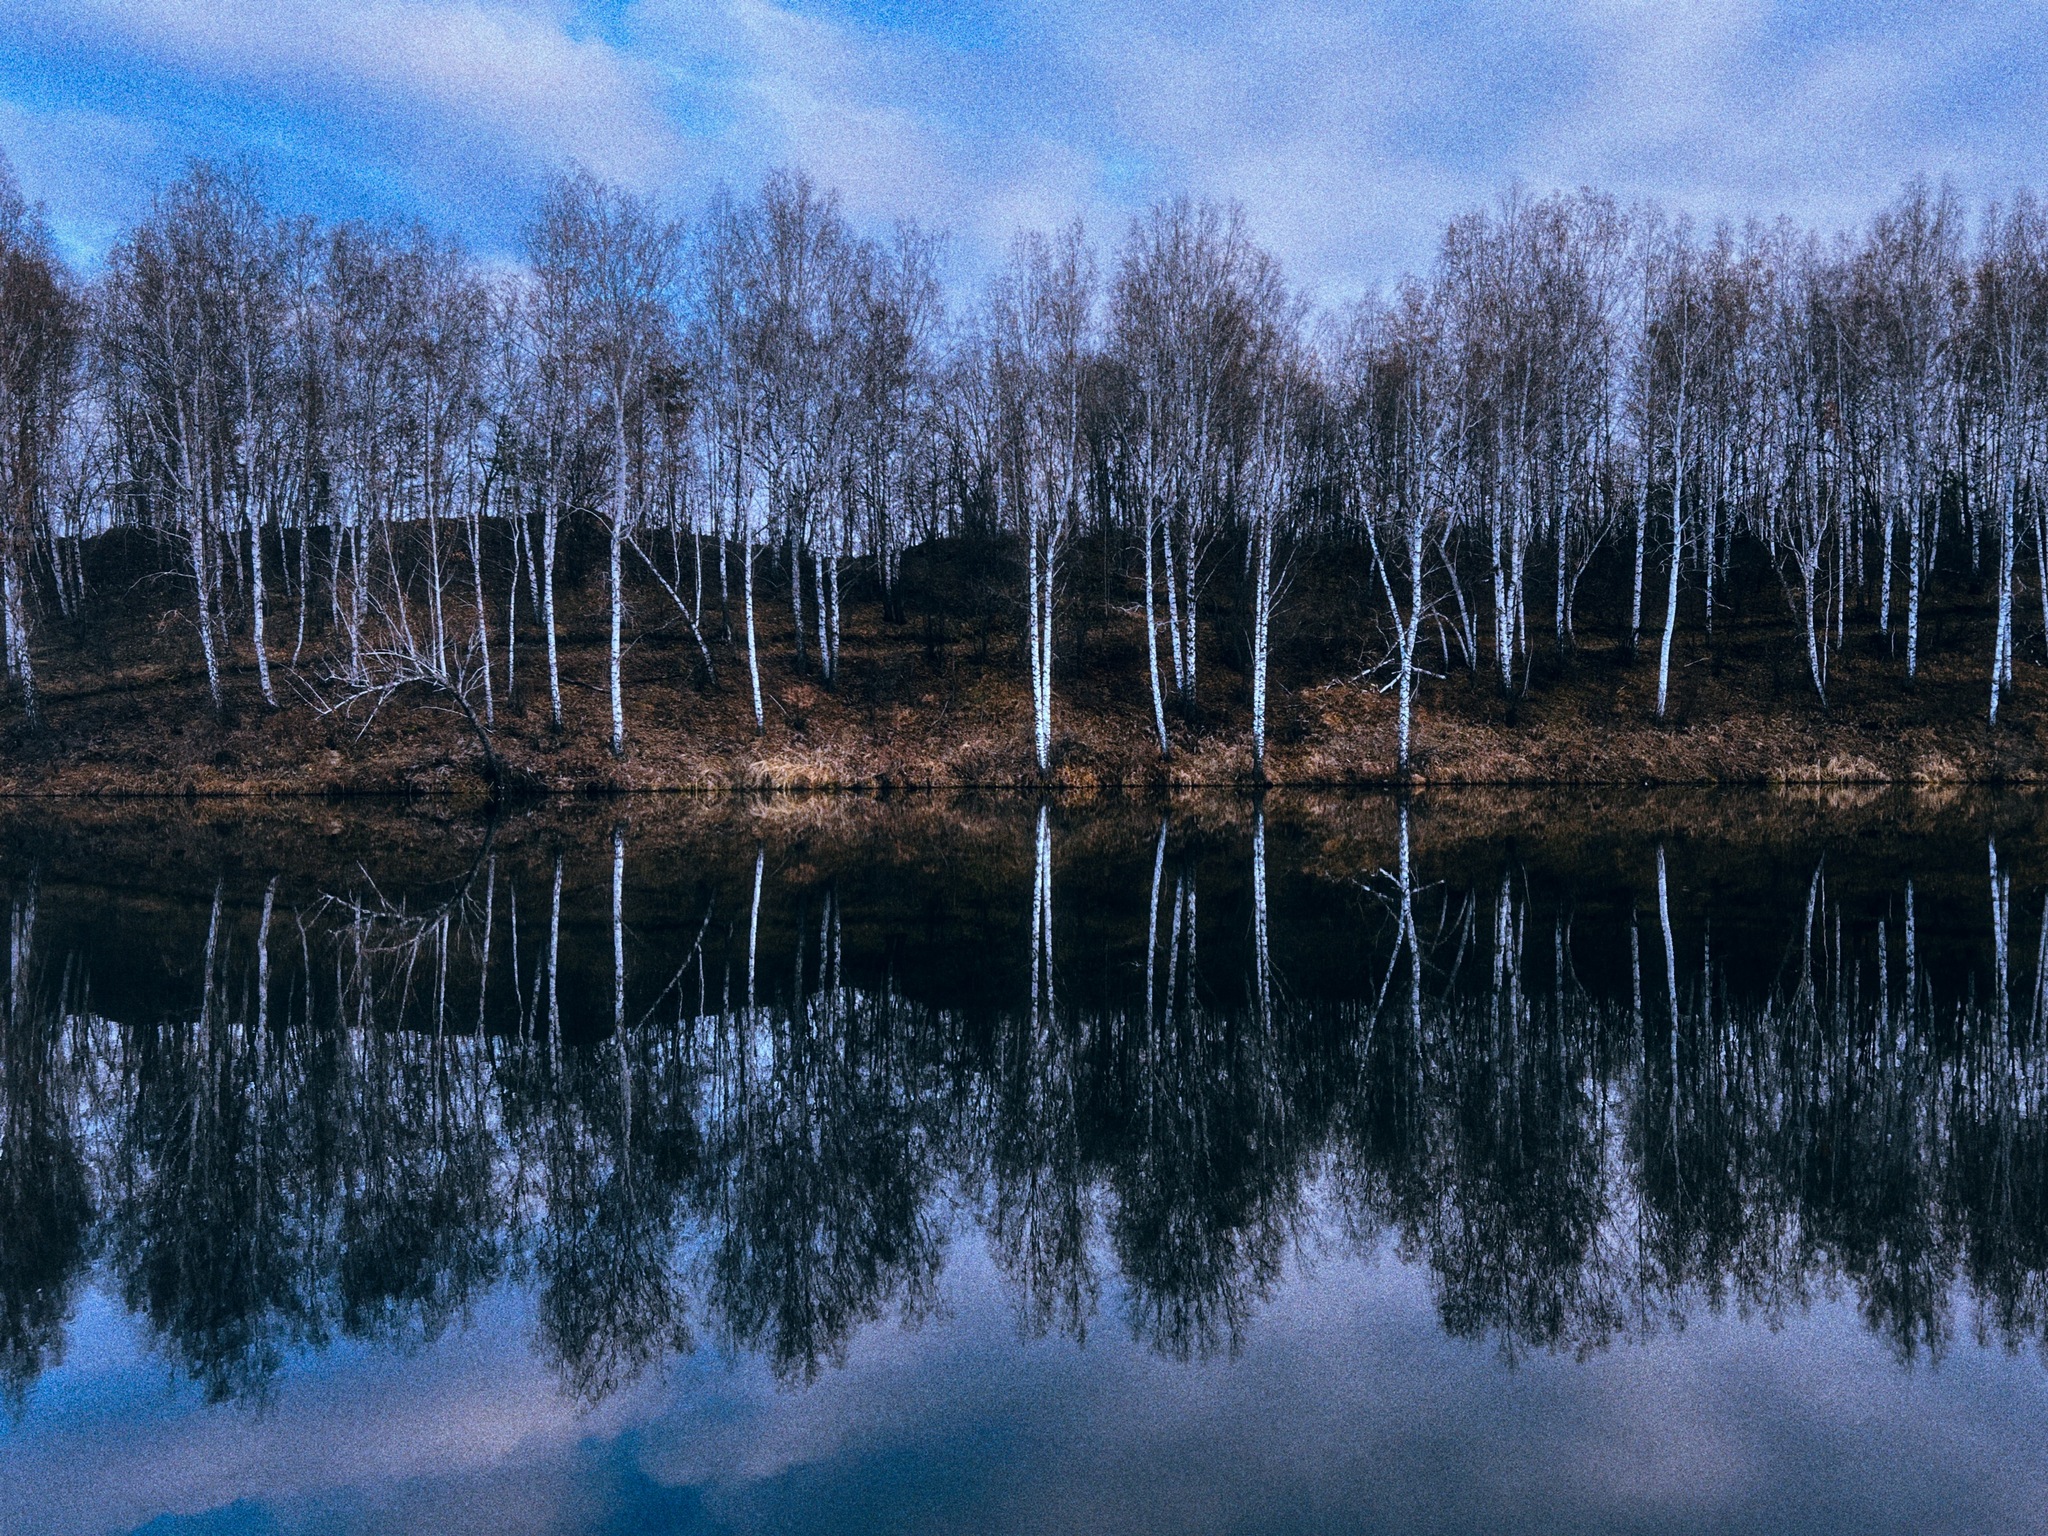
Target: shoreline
{"x":258,"y":758}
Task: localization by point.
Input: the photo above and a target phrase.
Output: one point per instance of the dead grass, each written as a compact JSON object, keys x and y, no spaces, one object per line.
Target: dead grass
{"x":940,"y":702}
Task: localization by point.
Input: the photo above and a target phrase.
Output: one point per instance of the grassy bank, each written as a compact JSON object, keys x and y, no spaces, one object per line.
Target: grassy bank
{"x":935,"y":695}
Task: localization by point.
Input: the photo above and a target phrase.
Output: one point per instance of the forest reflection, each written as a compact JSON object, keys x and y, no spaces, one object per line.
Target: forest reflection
{"x":749,"y":1091}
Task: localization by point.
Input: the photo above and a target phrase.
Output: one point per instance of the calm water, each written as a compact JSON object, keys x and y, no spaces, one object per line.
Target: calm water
{"x":1557,"y":1163}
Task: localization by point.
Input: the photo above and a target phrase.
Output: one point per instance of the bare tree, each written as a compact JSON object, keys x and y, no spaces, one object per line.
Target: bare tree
{"x":186,"y":345}
{"x":1187,"y":305}
{"x":1038,"y":333}
{"x":609,"y":268}
{"x":39,"y":339}
{"x":1400,"y":451}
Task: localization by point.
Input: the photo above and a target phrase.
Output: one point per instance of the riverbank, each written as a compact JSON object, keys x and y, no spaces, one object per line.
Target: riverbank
{"x":937,"y":699}
{"x":152,"y":734}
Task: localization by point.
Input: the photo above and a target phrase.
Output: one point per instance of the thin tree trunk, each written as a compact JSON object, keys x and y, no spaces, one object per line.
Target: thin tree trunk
{"x":550,"y":527}
{"x":1410,"y":635}
{"x":1152,"y":647}
{"x":1677,"y":558}
{"x":305,"y":589}
{"x":753,"y":652}
{"x":2001,"y":659}
{"x":203,"y":575}
{"x":16,"y":618}
{"x":1262,"y":613}
{"x":618,"y":698}
{"x":1180,"y":676}
{"x":257,"y":614}
{"x":796,"y":598}
{"x":1635,"y":603}
{"x":1914,"y":562}
{"x":618,"y":596}
{"x":1035,"y":648}
{"x":483,"y":625}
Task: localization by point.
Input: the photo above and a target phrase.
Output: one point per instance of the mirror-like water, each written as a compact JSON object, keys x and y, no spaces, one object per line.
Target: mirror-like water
{"x":1561,"y":1162}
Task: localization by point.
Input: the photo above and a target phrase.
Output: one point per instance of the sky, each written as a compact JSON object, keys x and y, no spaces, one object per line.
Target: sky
{"x":1349,"y":133}
{"x":1344,"y":1406}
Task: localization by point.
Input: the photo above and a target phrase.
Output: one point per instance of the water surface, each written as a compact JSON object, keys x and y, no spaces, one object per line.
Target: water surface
{"x":1671,"y":1162}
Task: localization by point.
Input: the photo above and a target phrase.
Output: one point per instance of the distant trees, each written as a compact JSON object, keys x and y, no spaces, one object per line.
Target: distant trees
{"x":39,"y":355}
{"x":369,"y":438}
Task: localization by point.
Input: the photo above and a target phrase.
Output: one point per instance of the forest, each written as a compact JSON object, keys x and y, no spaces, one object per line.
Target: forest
{"x":665,"y":496}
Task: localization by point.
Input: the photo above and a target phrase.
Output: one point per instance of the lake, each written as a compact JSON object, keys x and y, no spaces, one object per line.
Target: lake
{"x":1564,"y":1161}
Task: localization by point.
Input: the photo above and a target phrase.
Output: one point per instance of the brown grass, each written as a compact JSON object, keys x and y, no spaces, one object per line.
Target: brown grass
{"x":940,"y":701}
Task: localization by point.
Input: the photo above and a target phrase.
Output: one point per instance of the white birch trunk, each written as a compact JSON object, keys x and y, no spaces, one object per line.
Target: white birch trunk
{"x":1262,"y":615}
{"x":483,"y":627}
{"x":753,"y":652}
{"x":1809,"y":576}
{"x":436,"y":615}
{"x":305,"y":587}
{"x":551,"y":522}
{"x":1635,"y":605}
{"x":2001,"y":655}
{"x":256,"y":604}
{"x":618,"y":697}
{"x":1677,"y":556}
{"x":618,"y":596}
{"x":1152,"y":647}
{"x":202,"y":574}
{"x":1914,"y":562}
{"x":1888,"y":516}
{"x":824,"y":617}
{"x":1038,"y":558}
{"x":796,"y":597}
{"x":1180,"y":676}
{"x":19,"y":659}
{"x":1503,"y":645}
{"x":1410,"y":635}
{"x":519,"y":543}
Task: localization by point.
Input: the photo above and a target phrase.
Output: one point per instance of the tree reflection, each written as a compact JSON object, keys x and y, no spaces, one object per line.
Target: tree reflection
{"x":730,"y":1109}
{"x":821,"y":1164}
{"x":46,"y":1205}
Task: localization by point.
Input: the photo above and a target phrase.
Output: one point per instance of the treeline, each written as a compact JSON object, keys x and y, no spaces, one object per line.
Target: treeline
{"x":365,"y":445}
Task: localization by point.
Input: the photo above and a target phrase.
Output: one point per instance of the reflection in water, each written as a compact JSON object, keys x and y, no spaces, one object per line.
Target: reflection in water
{"x":747,"y":1097}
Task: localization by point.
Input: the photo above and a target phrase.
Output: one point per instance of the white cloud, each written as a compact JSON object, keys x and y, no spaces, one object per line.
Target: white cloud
{"x":503,"y":77}
{"x":87,"y":168}
{"x":899,"y":125}
{"x":1349,"y":133}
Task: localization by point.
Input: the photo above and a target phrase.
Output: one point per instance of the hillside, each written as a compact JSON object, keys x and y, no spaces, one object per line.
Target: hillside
{"x":937,"y":696}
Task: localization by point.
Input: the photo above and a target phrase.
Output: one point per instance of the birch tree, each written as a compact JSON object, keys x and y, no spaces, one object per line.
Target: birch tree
{"x":611,"y":267}
{"x":39,"y":373}
{"x":1190,"y":293}
{"x":177,"y":334}
{"x":1399,"y":448}
{"x":1039,"y":332}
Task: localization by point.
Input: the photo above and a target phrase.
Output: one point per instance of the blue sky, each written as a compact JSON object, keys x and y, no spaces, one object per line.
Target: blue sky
{"x":1349,"y":132}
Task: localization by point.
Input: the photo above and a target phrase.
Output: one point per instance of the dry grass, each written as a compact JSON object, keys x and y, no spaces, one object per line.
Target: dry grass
{"x":940,"y":701}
